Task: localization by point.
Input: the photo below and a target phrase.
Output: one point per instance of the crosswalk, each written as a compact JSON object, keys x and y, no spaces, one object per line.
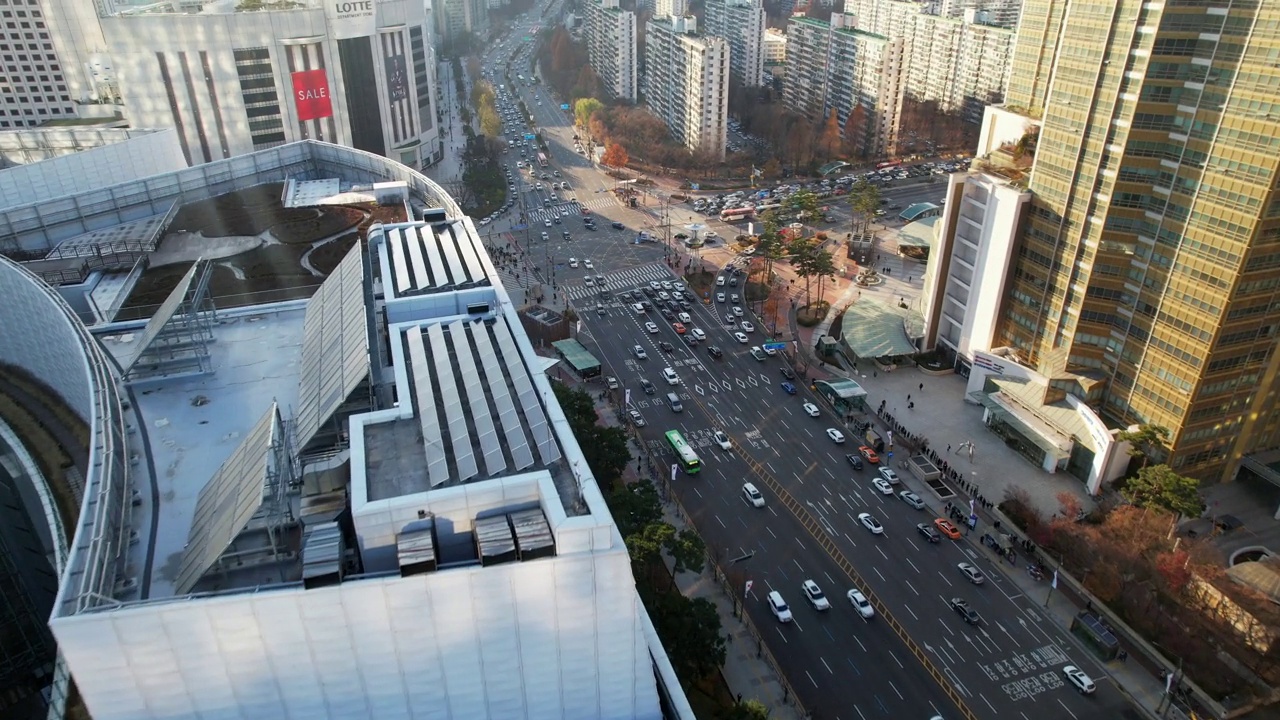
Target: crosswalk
{"x":618,"y":280}
{"x":541,"y":215}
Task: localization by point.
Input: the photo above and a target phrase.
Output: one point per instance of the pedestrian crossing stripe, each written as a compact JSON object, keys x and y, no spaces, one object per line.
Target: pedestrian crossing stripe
{"x":621,"y":280}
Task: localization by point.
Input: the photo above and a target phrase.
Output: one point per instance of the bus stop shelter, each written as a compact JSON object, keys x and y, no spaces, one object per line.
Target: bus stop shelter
{"x":583,"y":363}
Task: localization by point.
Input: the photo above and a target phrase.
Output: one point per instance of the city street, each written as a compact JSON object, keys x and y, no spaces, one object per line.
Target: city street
{"x":1008,"y":665}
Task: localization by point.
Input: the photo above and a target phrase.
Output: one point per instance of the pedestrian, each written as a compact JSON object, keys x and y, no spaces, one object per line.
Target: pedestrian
{"x":873,"y":374}
{"x":948,"y":448}
{"x":922,"y":386}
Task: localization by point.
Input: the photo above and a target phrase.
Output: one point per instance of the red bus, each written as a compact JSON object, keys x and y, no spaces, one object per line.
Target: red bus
{"x":889,"y":164}
{"x":737,"y":214}
{"x":542,"y":159}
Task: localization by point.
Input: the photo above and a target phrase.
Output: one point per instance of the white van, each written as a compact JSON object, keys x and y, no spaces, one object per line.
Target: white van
{"x":670,"y":376}
{"x":674,"y":401}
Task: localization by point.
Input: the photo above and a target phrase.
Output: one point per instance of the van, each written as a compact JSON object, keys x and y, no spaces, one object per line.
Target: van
{"x":670,"y":376}
{"x":674,"y":401}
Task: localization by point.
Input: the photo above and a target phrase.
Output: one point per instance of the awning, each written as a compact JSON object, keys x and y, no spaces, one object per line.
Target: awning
{"x":871,"y":329}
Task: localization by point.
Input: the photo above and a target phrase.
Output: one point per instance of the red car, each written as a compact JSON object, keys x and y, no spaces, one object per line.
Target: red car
{"x":946,"y":528}
{"x":869,"y":455}
{"x":679,"y":328}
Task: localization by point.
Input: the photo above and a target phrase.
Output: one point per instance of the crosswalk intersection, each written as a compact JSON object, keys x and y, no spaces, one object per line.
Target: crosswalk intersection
{"x":618,"y":280}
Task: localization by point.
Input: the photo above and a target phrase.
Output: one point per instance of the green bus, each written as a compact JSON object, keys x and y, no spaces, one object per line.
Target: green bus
{"x":685,"y":455}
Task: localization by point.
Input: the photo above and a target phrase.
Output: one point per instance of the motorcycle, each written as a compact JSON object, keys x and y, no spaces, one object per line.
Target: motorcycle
{"x":1035,"y":572}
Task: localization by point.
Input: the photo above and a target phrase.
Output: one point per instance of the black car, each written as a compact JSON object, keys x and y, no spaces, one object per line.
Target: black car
{"x":647,"y":387}
{"x":962,"y":608}
{"x":648,"y":291}
{"x":665,"y":346}
{"x":691,"y":340}
{"x":617,"y":225}
{"x":787,"y":373}
{"x":668,"y":314}
{"x":855,"y":461}
{"x":929,"y":533}
{"x":714,"y":352}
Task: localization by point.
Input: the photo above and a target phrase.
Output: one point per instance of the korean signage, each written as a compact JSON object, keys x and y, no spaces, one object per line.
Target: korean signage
{"x":351,"y":18}
{"x":311,"y":94}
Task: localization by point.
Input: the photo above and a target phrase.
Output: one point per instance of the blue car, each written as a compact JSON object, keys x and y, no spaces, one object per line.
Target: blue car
{"x":791,"y":389}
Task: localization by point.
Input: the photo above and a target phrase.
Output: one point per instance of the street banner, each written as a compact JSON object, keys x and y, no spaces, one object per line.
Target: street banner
{"x":674,"y":468}
{"x":747,"y":590}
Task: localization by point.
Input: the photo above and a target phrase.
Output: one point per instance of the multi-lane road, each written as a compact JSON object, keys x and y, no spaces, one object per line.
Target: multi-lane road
{"x":1007,"y":666}
{"x":840,"y":664}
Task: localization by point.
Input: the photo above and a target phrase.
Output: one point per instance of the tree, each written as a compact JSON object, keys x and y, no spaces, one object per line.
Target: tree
{"x":864,"y":201}
{"x":634,"y":506}
{"x":688,"y":552}
{"x":804,"y":203}
{"x":583,"y":109}
{"x":1148,"y":442}
{"x":604,"y":448}
{"x":746,"y":710}
{"x":824,"y":266}
{"x":1160,"y":486}
{"x":615,"y":156}
{"x":854,"y":135}
{"x":690,"y":633}
{"x":802,"y":253}
{"x":829,"y":138}
{"x":772,"y":168}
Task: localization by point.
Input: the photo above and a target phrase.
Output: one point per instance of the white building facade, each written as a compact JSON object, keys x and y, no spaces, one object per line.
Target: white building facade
{"x":775,"y":46}
{"x":742,"y":24}
{"x":611,"y":47}
{"x":686,"y":83}
{"x":834,"y":67}
{"x":236,"y":82}
{"x":959,"y":62}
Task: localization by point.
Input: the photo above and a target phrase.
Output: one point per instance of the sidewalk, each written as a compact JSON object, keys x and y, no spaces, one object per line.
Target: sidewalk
{"x":746,"y":670}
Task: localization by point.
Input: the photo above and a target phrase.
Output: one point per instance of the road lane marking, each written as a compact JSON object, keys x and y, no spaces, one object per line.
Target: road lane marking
{"x":1064,"y":707}
{"x":798,"y":566}
{"x":825,"y":665}
{"x":766,"y":527}
{"x":815,"y":682}
{"x":829,"y":578}
{"x":913,"y":612}
{"x":781,"y":635}
{"x":878,"y":573}
{"x":695,"y":489}
{"x":988,"y":702}
{"x":913,"y":587}
{"x":895,"y":689}
{"x":895,"y":659}
{"x":864,"y":647}
{"x":802,"y":547}
{"x":886,"y":557}
{"x":913,"y":566}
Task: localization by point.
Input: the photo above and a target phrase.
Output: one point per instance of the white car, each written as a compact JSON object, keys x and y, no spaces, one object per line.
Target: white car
{"x":653,"y":329}
{"x":769,"y":351}
{"x":586,"y":280}
{"x":971,"y":572}
{"x":779,"y":607}
{"x":573,"y":262}
{"x":740,"y":337}
{"x":746,"y":326}
{"x":835,"y":435}
{"x":719,"y":297}
{"x":871,"y":523}
{"x":666,"y":285}
{"x":697,"y":333}
{"x":884,"y":487}
{"x":814,"y":595}
{"x":889,"y":475}
{"x":640,"y":353}
{"x":722,"y":440}
{"x":860,"y":603}
{"x":752,"y":495}
{"x":670,"y":376}
{"x":678,"y":286}
{"x":811,"y":410}
{"x":737,"y":311}
{"x":911,"y":499}
{"x":587,"y":264}
{"x":1079,"y":680}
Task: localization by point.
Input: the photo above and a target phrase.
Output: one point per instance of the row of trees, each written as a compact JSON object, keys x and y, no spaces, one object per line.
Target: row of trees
{"x":1127,"y":556}
{"x":690,"y":629}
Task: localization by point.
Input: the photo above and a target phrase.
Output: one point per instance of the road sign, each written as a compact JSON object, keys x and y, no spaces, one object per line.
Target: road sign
{"x":529,"y":136}
{"x":774,"y":346}
{"x":564,"y":106}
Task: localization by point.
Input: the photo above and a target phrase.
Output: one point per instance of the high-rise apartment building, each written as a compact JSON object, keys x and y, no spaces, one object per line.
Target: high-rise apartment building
{"x":454,"y":17}
{"x":611,"y":47}
{"x":775,"y":46}
{"x":1147,"y":278}
{"x":1001,"y":13}
{"x":686,"y":83}
{"x":833,"y":66}
{"x":960,"y":63}
{"x":741,"y":23}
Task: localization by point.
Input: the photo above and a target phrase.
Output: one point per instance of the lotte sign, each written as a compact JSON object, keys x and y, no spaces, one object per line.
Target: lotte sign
{"x":351,"y":18}
{"x":311,"y":95}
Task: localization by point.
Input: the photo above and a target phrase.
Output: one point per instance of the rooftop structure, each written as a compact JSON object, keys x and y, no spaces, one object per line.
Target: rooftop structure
{"x":378,"y":476}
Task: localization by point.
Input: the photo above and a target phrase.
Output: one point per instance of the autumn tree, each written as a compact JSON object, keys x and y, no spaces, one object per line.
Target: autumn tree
{"x":829,"y":138}
{"x":583,"y":109}
{"x":864,"y":201}
{"x":855,"y":130}
{"x":615,"y":156}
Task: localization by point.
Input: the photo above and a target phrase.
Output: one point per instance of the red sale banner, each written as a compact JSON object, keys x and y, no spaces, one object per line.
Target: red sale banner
{"x":311,"y":94}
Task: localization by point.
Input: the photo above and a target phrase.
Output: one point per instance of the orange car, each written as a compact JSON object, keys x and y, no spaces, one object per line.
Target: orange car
{"x":678,"y":327}
{"x":869,"y":455}
{"x":946,"y":528}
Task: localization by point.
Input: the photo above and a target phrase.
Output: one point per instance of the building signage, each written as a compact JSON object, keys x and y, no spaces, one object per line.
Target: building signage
{"x":988,"y":362}
{"x":311,"y":94}
{"x":351,"y":18}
